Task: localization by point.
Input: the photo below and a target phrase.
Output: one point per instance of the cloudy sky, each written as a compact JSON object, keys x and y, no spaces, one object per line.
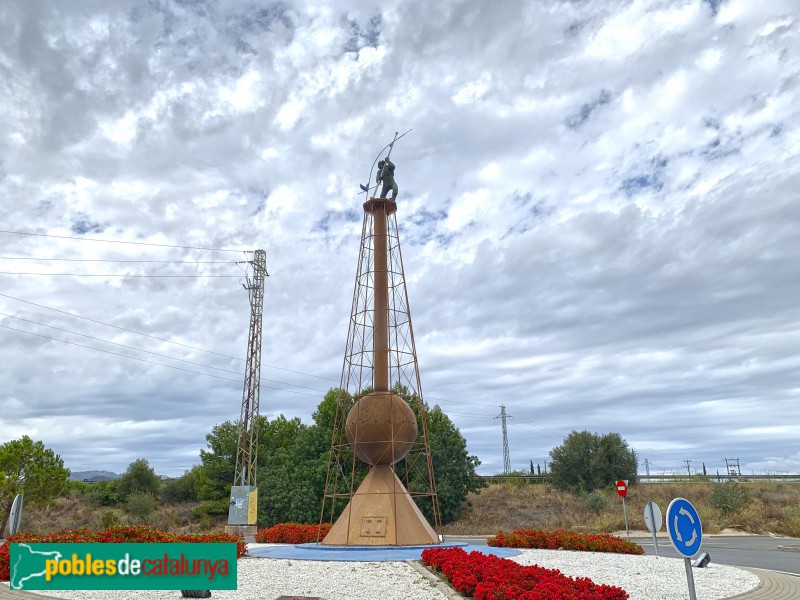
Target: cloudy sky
{"x":598,"y":212}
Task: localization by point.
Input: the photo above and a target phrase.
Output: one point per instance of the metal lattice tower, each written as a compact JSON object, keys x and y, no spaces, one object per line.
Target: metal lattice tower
{"x":415,"y":471}
{"x":506,"y":455}
{"x":247,"y":453}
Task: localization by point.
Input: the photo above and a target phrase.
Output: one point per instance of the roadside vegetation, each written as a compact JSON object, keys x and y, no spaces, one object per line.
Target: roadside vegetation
{"x":753,"y":507}
{"x":292,"y":466}
{"x":579,"y":493}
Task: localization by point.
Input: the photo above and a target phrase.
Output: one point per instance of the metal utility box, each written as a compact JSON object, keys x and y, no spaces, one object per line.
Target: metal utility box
{"x":243,"y":509}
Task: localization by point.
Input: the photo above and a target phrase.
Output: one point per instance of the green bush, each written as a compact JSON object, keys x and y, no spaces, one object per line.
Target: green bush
{"x":594,"y":502}
{"x":109,"y":518}
{"x":139,"y":477}
{"x":730,"y":497}
{"x":141,"y":505}
{"x":103,"y":493}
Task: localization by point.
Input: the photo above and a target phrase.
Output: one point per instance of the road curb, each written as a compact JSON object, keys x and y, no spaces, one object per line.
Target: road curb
{"x":6,"y":593}
{"x":773,"y":586}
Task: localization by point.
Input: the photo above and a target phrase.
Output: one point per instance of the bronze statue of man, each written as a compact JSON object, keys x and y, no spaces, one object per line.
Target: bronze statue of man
{"x":386,"y":175}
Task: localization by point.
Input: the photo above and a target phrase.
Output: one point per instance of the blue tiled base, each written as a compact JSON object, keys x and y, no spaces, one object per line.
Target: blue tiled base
{"x":365,"y":553}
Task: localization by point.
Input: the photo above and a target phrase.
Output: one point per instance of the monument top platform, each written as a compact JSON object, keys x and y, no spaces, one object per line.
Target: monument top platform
{"x":374,"y":204}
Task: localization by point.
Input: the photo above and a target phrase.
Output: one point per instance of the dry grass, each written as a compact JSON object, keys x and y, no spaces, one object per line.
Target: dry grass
{"x":773,"y":508}
{"x":72,"y":512}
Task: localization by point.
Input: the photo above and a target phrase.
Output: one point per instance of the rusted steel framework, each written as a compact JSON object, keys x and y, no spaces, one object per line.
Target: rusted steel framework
{"x":247,"y":453}
{"x":359,"y":375}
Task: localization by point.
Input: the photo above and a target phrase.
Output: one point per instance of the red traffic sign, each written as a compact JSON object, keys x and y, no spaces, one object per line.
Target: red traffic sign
{"x":622,"y":488}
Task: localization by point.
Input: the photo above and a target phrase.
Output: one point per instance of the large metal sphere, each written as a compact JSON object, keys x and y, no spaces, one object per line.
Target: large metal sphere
{"x":381,"y":428}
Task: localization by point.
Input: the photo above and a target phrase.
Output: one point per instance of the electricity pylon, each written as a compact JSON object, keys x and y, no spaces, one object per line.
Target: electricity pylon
{"x":243,"y":507}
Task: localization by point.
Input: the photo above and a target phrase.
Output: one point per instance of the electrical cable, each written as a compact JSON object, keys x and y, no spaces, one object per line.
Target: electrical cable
{"x":542,"y":427}
{"x":537,"y":433}
{"x":453,"y":412}
{"x":111,"y":275}
{"x":205,"y":366}
{"x":160,"y":339}
{"x":82,"y":239}
{"x":152,"y":362}
{"x":121,"y":345}
{"x":172,"y":262}
{"x":155,"y":337}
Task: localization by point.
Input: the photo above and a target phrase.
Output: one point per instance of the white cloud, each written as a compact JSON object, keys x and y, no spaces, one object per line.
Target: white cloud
{"x":597,"y":206}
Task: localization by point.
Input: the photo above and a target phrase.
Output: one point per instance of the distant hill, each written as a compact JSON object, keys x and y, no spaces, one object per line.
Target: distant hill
{"x":93,"y":475}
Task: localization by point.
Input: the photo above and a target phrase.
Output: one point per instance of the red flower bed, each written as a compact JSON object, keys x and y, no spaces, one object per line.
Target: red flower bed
{"x":491,"y":578}
{"x":292,"y":533}
{"x":568,"y":540}
{"x":117,"y":534}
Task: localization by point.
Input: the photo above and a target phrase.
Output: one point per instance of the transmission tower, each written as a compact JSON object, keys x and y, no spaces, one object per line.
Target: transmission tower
{"x":729,"y":463}
{"x":506,"y":456}
{"x":244,"y":497}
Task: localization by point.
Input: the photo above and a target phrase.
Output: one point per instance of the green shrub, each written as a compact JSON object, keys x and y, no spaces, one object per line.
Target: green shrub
{"x":109,"y":518}
{"x":182,"y":489}
{"x":139,"y":477}
{"x":730,"y":497}
{"x":141,"y":505}
{"x":594,"y":502}
{"x":103,"y":493}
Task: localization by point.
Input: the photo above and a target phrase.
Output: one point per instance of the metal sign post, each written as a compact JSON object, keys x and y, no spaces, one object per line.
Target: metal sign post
{"x":622,"y":490}
{"x":686,"y":534}
{"x":652,"y":518}
{"x":625,"y":512}
{"x":690,"y":578}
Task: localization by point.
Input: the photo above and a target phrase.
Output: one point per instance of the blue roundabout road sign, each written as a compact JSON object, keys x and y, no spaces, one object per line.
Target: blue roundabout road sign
{"x":684,"y":528}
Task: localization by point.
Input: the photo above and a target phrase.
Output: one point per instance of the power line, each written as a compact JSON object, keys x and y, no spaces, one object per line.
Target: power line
{"x":152,"y":362}
{"x":121,"y":345}
{"x":473,"y":415}
{"x":547,"y":430}
{"x":183,"y":360}
{"x":83,"y":239}
{"x":155,"y":337}
{"x":109,"y":275}
{"x":113,"y":260}
{"x":538,"y":433}
{"x":459,"y":401}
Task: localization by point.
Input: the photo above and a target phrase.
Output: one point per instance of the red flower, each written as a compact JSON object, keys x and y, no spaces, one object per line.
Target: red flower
{"x":293,"y":533}
{"x":568,"y":540}
{"x":491,"y":578}
{"x":116,"y":534}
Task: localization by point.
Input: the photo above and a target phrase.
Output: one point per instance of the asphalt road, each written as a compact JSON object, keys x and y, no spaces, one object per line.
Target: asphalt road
{"x":759,"y":551}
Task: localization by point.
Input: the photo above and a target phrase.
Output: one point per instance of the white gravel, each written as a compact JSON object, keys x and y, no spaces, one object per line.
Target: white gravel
{"x":643,"y":577}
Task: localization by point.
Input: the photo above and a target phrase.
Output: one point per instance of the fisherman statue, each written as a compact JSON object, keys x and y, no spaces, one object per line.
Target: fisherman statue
{"x":386,"y":175}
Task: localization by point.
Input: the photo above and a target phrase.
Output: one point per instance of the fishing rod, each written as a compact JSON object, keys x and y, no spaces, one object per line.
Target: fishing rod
{"x":390,"y":146}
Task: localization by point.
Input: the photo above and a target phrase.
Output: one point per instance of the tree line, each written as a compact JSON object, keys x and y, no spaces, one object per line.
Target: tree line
{"x":291,"y":469}
{"x":292,"y":465}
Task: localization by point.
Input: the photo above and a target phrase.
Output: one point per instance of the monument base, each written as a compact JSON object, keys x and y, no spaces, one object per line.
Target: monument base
{"x":381,"y":513}
{"x":243,"y":529}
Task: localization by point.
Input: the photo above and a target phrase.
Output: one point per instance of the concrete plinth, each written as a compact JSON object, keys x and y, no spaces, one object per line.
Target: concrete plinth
{"x":381,"y":513}
{"x":243,"y":529}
